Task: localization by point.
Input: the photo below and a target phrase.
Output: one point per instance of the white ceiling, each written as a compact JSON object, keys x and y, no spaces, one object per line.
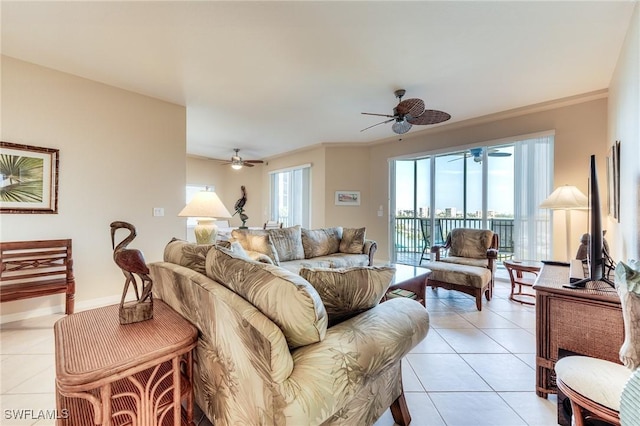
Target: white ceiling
{"x":270,"y":77}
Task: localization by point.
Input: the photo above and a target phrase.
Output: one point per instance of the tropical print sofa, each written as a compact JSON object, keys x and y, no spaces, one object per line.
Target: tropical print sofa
{"x":270,"y":353}
{"x":295,"y":247}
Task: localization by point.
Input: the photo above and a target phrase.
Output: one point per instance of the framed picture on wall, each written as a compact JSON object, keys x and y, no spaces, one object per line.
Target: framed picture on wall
{"x":613,"y":181}
{"x":347,"y":198}
{"x":28,"y":179}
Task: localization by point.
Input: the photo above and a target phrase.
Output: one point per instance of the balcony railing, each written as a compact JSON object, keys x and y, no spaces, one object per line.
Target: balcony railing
{"x":409,"y":237}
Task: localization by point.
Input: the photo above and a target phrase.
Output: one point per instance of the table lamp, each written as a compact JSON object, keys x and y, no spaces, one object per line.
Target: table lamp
{"x":206,"y":207}
{"x":566,"y":198}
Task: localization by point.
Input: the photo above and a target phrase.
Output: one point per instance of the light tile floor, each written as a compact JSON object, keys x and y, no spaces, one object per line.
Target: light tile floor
{"x":473,"y":368}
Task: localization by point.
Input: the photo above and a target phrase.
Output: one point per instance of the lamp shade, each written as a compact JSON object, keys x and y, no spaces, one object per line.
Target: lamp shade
{"x":566,"y":197}
{"x":205,"y":204}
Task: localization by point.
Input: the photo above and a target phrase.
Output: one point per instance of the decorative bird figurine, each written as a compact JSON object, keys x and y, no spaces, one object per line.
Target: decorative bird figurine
{"x":132,"y":263}
{"x":239,"y":207}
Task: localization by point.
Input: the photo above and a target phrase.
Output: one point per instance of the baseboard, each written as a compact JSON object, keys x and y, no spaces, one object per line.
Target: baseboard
{"x":52,"y":310}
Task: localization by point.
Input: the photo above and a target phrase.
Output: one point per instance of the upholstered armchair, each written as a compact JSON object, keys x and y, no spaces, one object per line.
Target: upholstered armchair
{"x":472,"y":247}
{"x":469,"y":265}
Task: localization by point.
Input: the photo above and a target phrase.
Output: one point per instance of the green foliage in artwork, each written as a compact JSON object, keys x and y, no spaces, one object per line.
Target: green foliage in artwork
{"x":21,"y":179}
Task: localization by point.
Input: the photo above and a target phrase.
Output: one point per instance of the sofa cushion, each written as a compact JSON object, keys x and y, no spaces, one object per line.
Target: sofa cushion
{"x":285,"y":298}
{"x":288,"y":242}
{"x":260,"y":242}
{"x":347,"y":292}
{"x":352,"y":240}
{"x":320,"y":242}
{"x":187,"y":254}
{"x":470,"y":242}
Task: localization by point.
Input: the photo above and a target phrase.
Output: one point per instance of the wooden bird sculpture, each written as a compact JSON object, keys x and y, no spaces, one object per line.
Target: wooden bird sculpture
{"x":239,"y":207}
{"x":132,"y":263}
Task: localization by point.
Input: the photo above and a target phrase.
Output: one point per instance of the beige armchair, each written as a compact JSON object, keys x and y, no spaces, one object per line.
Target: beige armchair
{"x":470,"y":264}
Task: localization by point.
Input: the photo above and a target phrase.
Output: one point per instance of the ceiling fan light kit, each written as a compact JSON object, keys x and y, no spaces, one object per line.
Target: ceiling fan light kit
{"x":408,"y":113}
{"x":238,"y":163}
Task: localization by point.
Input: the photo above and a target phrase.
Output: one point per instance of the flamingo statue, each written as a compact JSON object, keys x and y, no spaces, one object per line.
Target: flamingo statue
{"x":132,"y":263}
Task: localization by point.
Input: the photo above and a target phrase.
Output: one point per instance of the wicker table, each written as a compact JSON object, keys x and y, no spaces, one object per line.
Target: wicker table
{"x":522,"y":273}
{"x":138,"y":374}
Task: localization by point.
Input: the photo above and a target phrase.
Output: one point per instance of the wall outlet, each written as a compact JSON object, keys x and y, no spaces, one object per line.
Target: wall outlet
{"x":158,"y":211}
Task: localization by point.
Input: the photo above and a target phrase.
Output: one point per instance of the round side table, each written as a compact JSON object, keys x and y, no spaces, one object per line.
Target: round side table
{"x":522,"y":273}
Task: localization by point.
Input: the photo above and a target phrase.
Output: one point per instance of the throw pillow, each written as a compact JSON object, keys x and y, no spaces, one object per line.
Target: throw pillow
{"x":187,"y":254}
{"x":352,"y":240}
{"x":321,"y":242}
{"x":256,"y":242}
{"x":628,"y":286}
{"x":288,"y":243}
{"x":284,"y":297}
{"x":349,"y":291}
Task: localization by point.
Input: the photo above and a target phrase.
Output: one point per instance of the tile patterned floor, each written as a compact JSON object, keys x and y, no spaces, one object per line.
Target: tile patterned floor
{"x":473,"y":368}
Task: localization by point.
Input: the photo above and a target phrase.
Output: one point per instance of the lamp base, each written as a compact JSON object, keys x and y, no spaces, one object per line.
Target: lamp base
{"x":206,"y":231}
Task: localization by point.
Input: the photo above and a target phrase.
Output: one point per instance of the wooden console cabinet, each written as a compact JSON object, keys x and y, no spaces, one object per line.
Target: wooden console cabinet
{"x":581,"y":321}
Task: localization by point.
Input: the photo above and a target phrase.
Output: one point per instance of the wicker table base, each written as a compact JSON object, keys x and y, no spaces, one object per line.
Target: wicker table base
{"x":134,"y":374}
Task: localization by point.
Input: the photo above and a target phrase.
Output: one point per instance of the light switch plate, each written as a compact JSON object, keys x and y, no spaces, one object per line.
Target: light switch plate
{"x":158,"y":211}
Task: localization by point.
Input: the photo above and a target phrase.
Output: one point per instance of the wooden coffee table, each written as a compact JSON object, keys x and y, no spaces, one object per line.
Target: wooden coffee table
{"x":412,"y":279}
{"x":112,"y":374}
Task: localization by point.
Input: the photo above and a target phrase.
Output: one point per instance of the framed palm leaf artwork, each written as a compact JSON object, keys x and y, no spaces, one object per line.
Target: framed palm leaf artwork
{"x":28,"y":179}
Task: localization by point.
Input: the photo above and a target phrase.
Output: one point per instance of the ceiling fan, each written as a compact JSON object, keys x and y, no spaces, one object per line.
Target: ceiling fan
{"x":237,"y":162}
{"x":408,"y":113}
{"x":476,"y":153}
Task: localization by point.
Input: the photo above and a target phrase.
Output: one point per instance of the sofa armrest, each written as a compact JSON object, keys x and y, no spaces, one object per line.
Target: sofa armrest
{"x":370,"y":247}
{"x":366,"y":345}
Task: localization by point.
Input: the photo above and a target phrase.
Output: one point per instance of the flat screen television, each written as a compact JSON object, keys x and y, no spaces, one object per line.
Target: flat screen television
{"x":595,"y":260}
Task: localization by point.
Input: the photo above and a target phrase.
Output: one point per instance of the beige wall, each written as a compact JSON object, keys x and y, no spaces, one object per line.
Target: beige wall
{"x":624,"y":126}
{"x":121,"y":155}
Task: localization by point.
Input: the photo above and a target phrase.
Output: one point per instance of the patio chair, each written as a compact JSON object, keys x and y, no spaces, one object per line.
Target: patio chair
{"x":425,"y":227}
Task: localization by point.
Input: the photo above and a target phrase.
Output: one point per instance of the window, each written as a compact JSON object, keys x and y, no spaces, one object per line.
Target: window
{"x":290,"y":201}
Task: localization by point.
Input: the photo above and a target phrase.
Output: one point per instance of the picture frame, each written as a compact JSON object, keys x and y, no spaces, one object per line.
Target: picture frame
{"x":613,"y":181}
{"x":28,"y":179}
{"x":347,"y":198}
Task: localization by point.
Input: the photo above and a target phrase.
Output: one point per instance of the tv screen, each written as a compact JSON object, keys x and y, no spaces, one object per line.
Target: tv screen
{"x":596,"y":258}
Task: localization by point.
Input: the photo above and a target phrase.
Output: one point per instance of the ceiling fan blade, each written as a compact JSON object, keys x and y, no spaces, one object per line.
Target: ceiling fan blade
{"x":499,"y":154}
{"x":429,"y":116}
{"x":377,"y":124}
{"x":401,"y":127}
{"x":379,"y":115}
{"x":413,"y":107}
{"x":247,"y":164}
{"x":254,"y":161}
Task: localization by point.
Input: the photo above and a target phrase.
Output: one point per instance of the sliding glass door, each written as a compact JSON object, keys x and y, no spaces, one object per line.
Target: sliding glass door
{"x":486,"y":187}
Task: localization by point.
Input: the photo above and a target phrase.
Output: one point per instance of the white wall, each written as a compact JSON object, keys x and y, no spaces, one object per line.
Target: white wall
{"x":121,"y":155}
{"x":624,"y":126}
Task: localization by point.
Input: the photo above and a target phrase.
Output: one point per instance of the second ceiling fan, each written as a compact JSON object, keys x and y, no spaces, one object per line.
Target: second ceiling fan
{"x":409,"y":112}
{"x":237,"y":162}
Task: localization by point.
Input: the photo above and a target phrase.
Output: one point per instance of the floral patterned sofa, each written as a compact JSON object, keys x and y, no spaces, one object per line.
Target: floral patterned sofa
{"x":295,"y":247}
{"x":272,"y":352}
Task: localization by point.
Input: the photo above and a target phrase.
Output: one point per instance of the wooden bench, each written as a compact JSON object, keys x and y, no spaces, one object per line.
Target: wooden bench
{"x":37,"y":268}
